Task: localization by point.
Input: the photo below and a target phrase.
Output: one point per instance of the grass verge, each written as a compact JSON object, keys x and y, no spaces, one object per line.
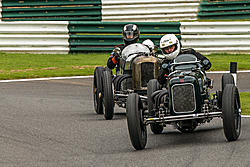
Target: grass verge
{"x":245,"y":102}
{"x":15,"y":66}
{"x":221,"y":62}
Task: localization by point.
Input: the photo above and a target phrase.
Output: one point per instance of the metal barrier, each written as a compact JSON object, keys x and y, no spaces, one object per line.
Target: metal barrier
{"x":224,"y":10}
{"x":34,"y":37}
{"x":100,"y":10}
{"x":74,"y":36}
{"x":108,"y":34}
{"x":214,"y":37}
{"x":149,"y":10}
{"x":16,"y":10}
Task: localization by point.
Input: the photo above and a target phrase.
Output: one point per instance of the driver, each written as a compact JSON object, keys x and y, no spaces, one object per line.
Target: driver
{"x":150,"y":44}
{"x":170,"y":47}
{"x":130,"y":35}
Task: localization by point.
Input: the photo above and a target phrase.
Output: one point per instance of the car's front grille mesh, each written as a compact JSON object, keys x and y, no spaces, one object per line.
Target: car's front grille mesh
{"x":183,"y":98}
{"x":147,"y":73}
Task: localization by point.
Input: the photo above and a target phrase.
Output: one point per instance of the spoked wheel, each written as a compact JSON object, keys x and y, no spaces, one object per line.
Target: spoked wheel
{"x":186,"y":126}
{"x":137,"y":129}
{"x":231,"y":112}
{"x":97,"y":90}
{"x":108,"y":95}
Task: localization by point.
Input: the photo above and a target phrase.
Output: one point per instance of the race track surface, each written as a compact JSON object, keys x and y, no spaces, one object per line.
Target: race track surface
{"x":53,"y":124}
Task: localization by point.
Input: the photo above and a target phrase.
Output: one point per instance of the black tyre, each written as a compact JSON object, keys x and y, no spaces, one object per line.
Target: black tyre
{"x":108,"y":95}
{"x":124,"y":82}
{"x":137,"y":130}
{"x":231,"y":112}
{"x":156,"y":128}
{"x":226,"y":79}
{"x":97,"y":90}
{"x":152,"y":86}
{"x":115,"y":82}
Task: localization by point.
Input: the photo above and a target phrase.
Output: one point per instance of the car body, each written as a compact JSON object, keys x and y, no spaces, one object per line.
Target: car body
{"x":184,"y":101}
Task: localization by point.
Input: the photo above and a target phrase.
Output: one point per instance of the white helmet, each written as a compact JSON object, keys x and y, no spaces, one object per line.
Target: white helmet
{"x":170,"y":46}
{"x":149,"y":44}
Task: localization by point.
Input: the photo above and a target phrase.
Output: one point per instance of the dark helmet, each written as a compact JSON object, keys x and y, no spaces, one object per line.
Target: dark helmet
{"x":130,"y":33}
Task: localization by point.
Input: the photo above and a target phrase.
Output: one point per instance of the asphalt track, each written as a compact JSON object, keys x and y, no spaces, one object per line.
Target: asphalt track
{"x":53,"y":124}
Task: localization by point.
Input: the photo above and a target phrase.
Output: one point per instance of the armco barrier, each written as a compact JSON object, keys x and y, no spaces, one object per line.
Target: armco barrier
{"x":38,"y":10}
{"x":34,"y":37}
{"x":149,"y":10}
{"x":214,"y":37}
{"x":99,"y":10}
{"x":108,"y":34}
{"x":224,"y":10}
{"x":75,"y":36}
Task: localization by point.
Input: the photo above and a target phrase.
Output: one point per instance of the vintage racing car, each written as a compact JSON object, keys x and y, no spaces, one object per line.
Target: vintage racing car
{"x":138,"y":66}
{"x":185,"y":102}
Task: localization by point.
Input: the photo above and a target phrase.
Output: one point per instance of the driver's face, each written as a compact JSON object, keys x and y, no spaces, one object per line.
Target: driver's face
{"x":169,"y":49}
{"x":129,"y":34}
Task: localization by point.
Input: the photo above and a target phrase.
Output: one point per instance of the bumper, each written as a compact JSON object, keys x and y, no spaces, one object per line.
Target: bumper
{"x":183,"y":117}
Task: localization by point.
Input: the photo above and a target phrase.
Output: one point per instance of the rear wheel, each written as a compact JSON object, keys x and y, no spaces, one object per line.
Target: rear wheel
{"x":108,"y":95}
{"x":153,"y":85}
{"x":137,"y":129}
{"x":231,"y":112}
{"x":97,"y":90}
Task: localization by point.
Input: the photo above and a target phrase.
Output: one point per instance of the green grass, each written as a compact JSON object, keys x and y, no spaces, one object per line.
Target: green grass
{"x":15,"y":66}
{"x":245,"y":102}
{"x":221,"y":62}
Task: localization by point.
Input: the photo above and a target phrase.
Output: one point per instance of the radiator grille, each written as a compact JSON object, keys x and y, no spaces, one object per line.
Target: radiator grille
{"x":183,"y":98}
{"x":147,"y":73}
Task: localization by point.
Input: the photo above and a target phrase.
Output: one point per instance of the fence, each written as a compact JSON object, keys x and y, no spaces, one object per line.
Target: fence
{"x":82,"y":36}
{"x":99,"y":10}
{"x":84,"y":10}
{"x":34,"y":37}
{"x":122,"y":10}
{"x":224,"y":10}
{"x":231,"y":37}
{"x":109,"y":34}
{"x":149,"y":10}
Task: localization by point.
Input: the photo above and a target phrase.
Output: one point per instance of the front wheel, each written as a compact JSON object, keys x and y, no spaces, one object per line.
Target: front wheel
{"x":137,"y":129}
{"x":231,"y":112}
{"x":226,"y":79}
{"x":108,"y":95}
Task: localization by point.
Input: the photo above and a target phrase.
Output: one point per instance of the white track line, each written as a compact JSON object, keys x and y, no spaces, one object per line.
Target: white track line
{"x":44,"y":79}
{"x":80,"y":77}
{"x":219,"y":72}
{"x":245,"y":116}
